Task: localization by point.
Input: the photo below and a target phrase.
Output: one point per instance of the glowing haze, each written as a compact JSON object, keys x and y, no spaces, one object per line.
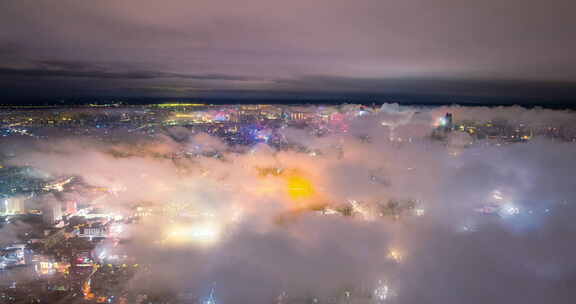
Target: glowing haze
{"x":261,"y":235}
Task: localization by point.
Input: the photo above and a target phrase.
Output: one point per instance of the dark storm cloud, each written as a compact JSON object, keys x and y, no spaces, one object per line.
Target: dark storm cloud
{"x":55,"y":69}
{"x":440,"y":40}
{"x":458,"y":87}
{"x":6,"y":50}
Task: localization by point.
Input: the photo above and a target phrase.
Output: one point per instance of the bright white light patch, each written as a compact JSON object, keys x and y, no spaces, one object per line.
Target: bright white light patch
{"x":497,"y":195}
{"x":509,"y":210}
{"x":381,"y":292}
{"x":206,"y":233}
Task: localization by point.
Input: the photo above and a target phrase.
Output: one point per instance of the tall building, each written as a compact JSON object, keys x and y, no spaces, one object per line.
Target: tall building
{"x":443,"y":127}
{"x":448,"y":122}
{"x":52,"y":212}
{"x":12,"y":205}
{"x":94,"y":231}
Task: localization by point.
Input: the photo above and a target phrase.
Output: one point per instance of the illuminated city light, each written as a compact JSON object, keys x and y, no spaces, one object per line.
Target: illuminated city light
{"x":509,"y":210}
{"x":172,"y":105}
{"x":330,"y":211}
{"x":497,"y":195}
{"x":359,"y":208}
{"x":58,"y":186}
{"x":468,"y":227}
{"x":182,"y":198}
{"x":87,"y":290}
{"x":299,"y":187}
{"x":206,"y":233}
{"x":211,"y":297}
{"x":381,"y":292}
{"x":395,"y":254}
{"x":419,"y":211}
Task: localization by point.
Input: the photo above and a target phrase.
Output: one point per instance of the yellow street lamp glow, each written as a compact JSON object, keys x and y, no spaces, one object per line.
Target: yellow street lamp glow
{"x":300,"y":188}
{"x":396,"y":255}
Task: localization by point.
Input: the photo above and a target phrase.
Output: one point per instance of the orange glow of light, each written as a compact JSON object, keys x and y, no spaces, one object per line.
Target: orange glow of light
{"x":299,"y":187}
{"x":88,"y":295}
{"x":266,"y":188}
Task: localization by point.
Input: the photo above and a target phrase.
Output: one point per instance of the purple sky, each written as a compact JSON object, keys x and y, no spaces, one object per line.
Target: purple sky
{"x":213,"y":48}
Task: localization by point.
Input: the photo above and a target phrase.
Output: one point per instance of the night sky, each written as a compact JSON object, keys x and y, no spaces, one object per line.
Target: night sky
{"x":517,"y":51}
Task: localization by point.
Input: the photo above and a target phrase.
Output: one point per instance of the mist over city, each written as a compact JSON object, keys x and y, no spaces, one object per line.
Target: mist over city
{"x":193,"y":203}
{"x":287,"y":152}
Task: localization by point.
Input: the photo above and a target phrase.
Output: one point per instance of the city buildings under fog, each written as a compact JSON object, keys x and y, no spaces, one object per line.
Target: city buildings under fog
{"x":87,"y":191}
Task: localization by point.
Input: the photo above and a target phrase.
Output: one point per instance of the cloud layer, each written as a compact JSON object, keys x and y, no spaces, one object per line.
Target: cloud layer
{"x":495,"y":48}
{"x":272,"y":244}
